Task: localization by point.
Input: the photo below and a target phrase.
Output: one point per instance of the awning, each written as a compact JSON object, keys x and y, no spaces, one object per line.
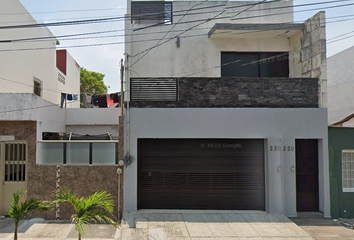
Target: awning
{"x":274,"y":30}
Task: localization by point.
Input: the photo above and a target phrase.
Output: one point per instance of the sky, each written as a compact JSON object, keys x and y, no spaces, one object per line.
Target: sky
{"x":106,"y":59}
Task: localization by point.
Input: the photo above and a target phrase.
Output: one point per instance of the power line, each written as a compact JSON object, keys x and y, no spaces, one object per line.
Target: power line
{"x":118,"y":43}
{"x":136,"y":34}
{"x":89,"y":45}
{"x":169,"y":31}
{"x":157,"y":45}
{"x":52,"y":90}
{"x":109,"y":19}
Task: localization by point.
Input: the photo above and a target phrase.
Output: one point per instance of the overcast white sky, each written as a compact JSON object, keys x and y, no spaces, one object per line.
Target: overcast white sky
{"x":106,"y":59}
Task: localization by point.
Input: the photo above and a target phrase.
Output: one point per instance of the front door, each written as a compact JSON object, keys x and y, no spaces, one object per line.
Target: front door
{"x":307,"y":175}
{"x":13,"y":157}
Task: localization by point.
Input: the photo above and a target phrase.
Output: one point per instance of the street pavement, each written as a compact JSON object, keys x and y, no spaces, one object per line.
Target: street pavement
{"x":211,"y":225}
{"x":187,"y":225}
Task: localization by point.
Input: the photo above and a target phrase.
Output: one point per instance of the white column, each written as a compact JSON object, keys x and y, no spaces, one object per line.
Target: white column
{"x":289,"y":177}
{"x":274,"y":176}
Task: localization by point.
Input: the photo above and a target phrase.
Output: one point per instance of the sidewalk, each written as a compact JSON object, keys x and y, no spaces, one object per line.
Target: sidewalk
{"x":324,"y":229}
{"x":55,"y":230}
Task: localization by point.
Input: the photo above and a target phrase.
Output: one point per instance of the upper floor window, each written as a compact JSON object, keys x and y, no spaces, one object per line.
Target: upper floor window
{"x":37,"y":86}
{"x":151,"y":12}
{"x":251,"y":64}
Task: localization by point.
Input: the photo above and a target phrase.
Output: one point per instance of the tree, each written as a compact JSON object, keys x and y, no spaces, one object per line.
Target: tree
{"x":96,"y":207}
{"x":92,"y":82}
{"x":18,"y":211}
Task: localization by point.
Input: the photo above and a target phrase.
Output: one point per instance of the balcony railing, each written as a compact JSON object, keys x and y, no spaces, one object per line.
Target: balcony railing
{"x":226,"y":92}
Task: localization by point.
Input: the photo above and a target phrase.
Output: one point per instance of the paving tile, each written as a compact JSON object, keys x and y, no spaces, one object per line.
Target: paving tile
{"x":221,"y":230}
{"x":31,"y":230}
{"x":141,"y":223}
{"x":198,"y":230}
{"x":156,"y":234}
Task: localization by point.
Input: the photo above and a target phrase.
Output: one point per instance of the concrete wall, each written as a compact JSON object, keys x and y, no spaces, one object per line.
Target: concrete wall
{"x":307,"y":57}
{"x":198,"y":52}
{"x":279,"y":127}
{"x":19,"y":68}
{"x":241,"y":92}
{"x":72,"y":81}
{"x":26,"y":117}
{"x":340,"y":85}
{"x":41,"y":181}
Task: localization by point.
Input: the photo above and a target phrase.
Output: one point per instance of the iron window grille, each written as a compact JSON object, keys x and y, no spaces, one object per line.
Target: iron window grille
{"x":348,"y":170}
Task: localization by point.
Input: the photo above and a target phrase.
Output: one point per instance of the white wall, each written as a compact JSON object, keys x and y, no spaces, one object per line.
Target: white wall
{"x":72,"y":81}
{"x":52,"y":118}
{"x":340,"y":85}
{"x":20,"y":67}
{"x":92,"y":120}
{"x":198,"y":52}
{"x":276,"y":126}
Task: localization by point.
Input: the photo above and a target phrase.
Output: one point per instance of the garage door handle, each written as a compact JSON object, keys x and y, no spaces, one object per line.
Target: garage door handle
{"x":149,"y":174}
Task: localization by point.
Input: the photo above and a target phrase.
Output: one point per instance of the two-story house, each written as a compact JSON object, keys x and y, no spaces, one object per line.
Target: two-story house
{"x":46,"y":140}
{"x":225,"y":107}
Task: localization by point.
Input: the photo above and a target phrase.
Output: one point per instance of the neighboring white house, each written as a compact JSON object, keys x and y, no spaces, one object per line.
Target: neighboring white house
{"x":340,"y":85}
{"x":226,"y":107}
{"x":44,"y":145}
{"x":34,"y":66}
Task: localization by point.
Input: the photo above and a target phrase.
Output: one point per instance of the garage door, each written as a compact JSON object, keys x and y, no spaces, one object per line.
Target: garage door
{"x":201,"y":174}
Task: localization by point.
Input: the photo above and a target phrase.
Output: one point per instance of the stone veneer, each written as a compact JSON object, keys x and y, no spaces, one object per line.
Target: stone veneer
{"x":41,"y":180}
{"x":229,"y":92}
{"x":307,"y":56}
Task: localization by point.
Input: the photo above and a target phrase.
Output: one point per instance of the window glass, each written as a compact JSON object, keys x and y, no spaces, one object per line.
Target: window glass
{"x":261,"y":64}
{"x":77,"y":153}
{"x":103,"y":153}
{"x":50,"y":153}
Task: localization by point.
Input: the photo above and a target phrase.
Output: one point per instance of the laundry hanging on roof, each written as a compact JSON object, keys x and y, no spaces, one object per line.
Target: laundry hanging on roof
{"x":69,"y":97}
{"x":102,"y":101}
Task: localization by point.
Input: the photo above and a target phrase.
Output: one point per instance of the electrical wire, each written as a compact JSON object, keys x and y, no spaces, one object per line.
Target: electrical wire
{"x":197,"y":25}
{"x":109,"y":19}
{"x":199,"y":3}
{"x":67,"y":37}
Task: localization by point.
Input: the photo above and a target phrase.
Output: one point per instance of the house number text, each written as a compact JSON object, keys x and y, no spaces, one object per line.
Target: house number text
{"x":284,"y":148}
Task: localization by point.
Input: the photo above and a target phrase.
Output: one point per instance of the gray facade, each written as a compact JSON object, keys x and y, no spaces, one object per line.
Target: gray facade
{"x":278,"y":111}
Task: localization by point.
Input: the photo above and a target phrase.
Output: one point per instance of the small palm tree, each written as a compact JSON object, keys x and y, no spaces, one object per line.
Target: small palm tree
{"x":96,"y":207}
{"x":19,"y":210}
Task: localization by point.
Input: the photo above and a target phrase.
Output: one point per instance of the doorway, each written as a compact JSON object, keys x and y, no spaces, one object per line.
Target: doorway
{"x":13,"y":156}
{"x":307,"y":196}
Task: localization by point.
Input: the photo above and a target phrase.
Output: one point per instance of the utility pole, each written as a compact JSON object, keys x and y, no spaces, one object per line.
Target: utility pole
{"x":121,"y":144}
{"x":121,"y":87}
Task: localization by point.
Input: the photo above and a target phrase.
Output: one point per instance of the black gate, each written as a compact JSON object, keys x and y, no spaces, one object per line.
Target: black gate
{"x":201,"y":174}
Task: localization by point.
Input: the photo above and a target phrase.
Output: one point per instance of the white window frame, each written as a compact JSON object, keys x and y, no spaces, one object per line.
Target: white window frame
{"x":347,"y":170}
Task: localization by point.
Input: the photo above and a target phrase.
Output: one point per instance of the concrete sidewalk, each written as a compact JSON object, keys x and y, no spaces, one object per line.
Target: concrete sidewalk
{"x":211,"y":225}
{"x":324,"y":229}
{"x":55,"y":230}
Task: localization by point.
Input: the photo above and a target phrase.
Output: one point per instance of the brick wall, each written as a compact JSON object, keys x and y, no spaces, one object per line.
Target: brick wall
{"x":242,"y":92}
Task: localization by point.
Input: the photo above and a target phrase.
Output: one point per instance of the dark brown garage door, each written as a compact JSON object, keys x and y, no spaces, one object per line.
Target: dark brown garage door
{"x":201,"y":174}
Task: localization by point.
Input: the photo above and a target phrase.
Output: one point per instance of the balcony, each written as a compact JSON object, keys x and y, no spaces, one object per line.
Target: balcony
{"x":225,"y":92}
